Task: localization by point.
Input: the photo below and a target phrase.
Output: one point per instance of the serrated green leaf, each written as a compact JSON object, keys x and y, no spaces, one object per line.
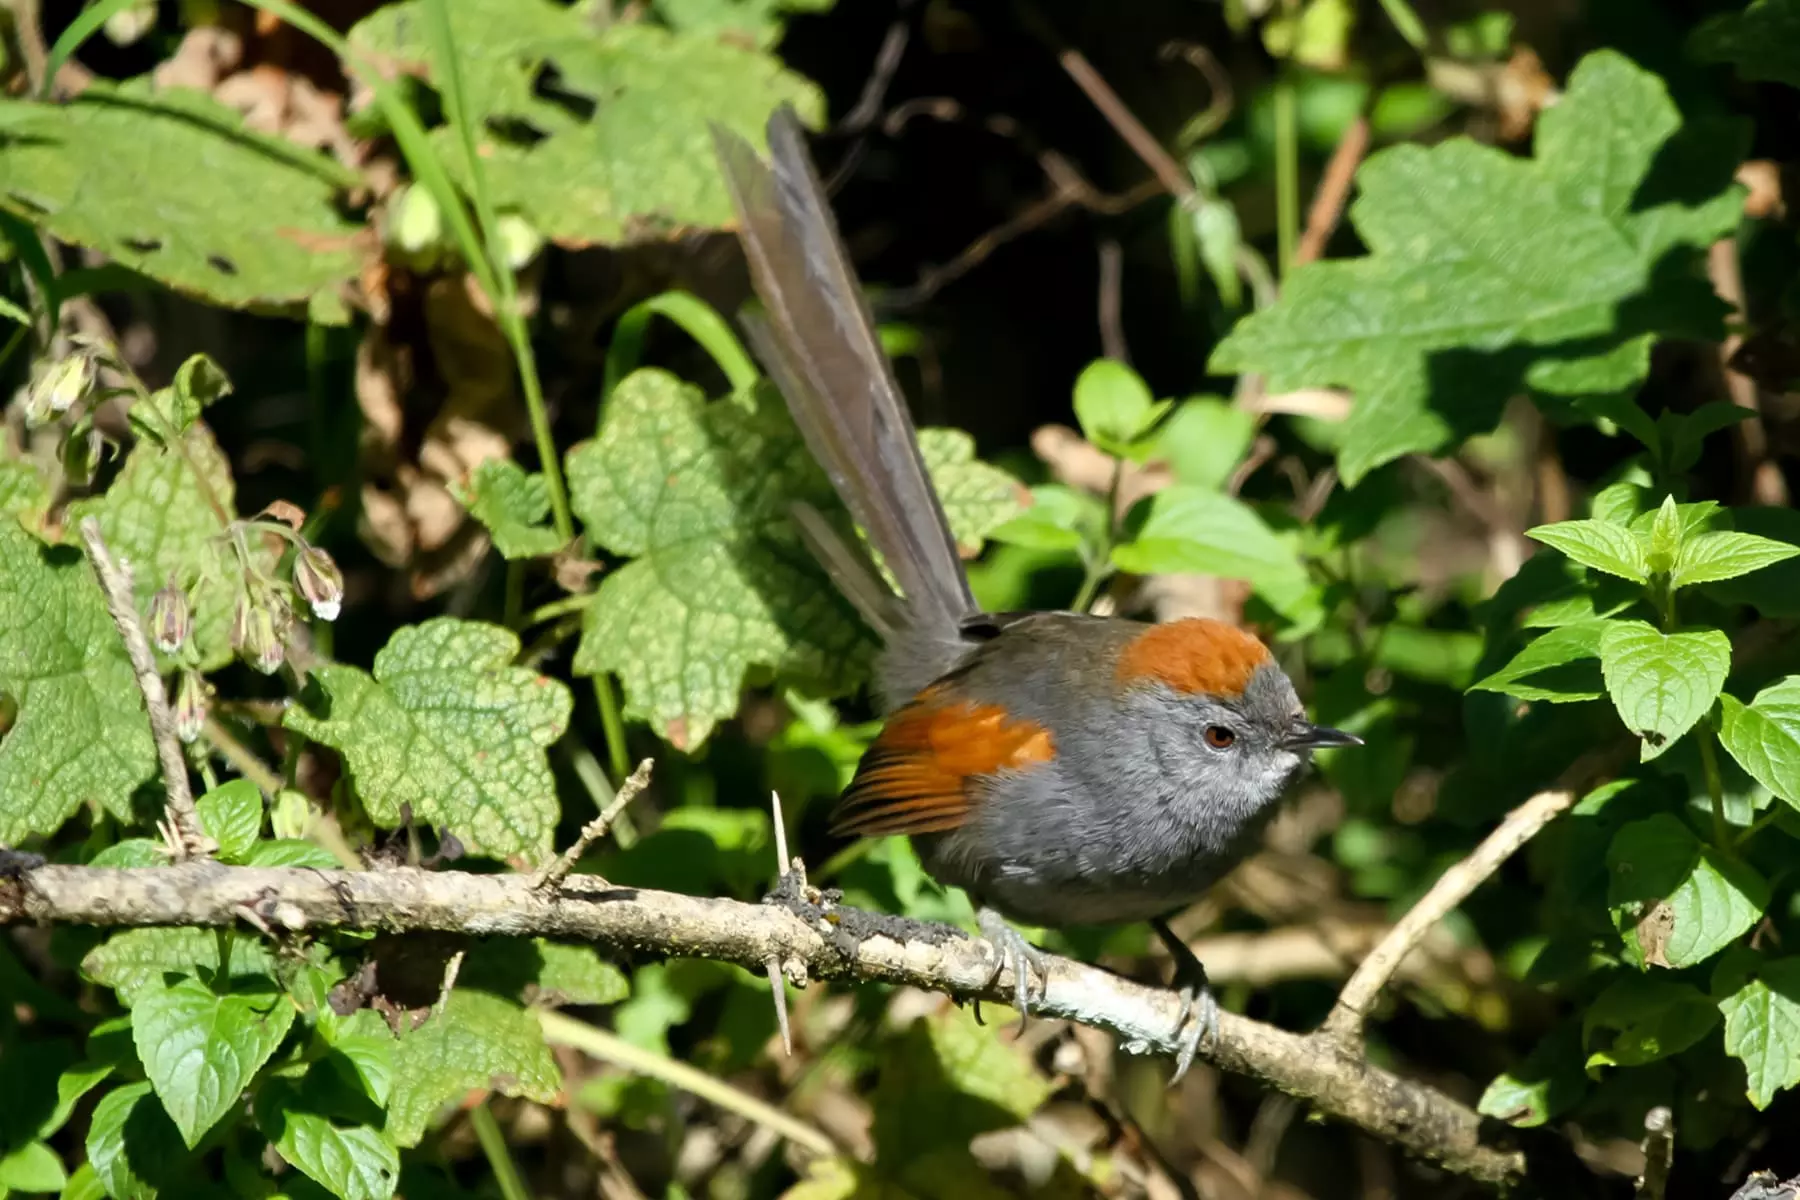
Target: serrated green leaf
{"x":71,"y":1086}
{"x":1650,"y":1019}
{"x":232,"y":814}
{"x":759,"y":21}
{"x":447,"y":726}
{"x":367,"y":1048}
{"x":136,"y":959}
{"x":160,"y":515}
{"x":24,"y":492}
{"x":1114,"y":406}
{"x":1559,"y":647}
{"x":578,"y":975}
{"x":1762,"y":42}
{"x":1678,"y":901}
{"x":1205,"y":439}
{"x":1662,"y":683}
{"x":201,"y":1049}
{"x":33,"y":1167}
{"x":353,"y":1162}
{"x":171,"y":411}
{"x":1184,"y":529}
{"x":98,"y":171}
{"x":638,"y":163}
{"x":1762,"y":1028}
{"x":1536,"y":253}
{"x":132,"y":1145}
{"x":477,"y":1041}
{"x":1058,"y":518}
{"x":1710,"y":557}
{"x":81,"y":735}
{"x":1665,"y":538}
{"x":291,"y":852}
{"x":698,"y":493}
{"x":1764,"y":736}
{"x":1541,"y":1087}
{"x":513,"y":506}
{"x":1601,"y":545}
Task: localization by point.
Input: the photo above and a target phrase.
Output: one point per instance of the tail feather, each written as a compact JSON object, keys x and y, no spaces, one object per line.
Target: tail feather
{"x":817,"y":340}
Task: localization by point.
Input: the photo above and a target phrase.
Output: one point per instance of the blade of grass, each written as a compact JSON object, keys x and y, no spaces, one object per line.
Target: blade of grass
{"x":83,"y":27}
{"x":697,"y":319}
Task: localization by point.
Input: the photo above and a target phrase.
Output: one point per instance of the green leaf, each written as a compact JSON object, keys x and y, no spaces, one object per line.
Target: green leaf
{"x":1184,"y":529}
{"x":578,"y":975}
{"x":698,"y":494}
{"x":477,"y":1041}
{"x":1726,"y":555}
{"x":136,"y":959}
{"x":1677,"y":900}
{"x":1762,"y":42}
{"x":132,"y":1145}
{"x":1601,"y":545}
{"x":448,"y":726}
{"x":367,"y":1048}
{"x":513,"y":506}
{"x":1650,"y":1019}
{"x":1538,"y":253}
{"x":80,"y":735}
{"x":1205,"y":439}
{"x":1541,"y":1087}
{"x":1561,"y":646}
{"x":172,"y":411}
{"x":1762,"y":1028}
{"x":1115,"y":407}
{"x":71,"y":1086}
{"x":638,"y":164}
{"x":201,"y":1049}
{"x":1662,"y":683}
{"x":757,"y":21}
{"x":291,"y":852}
{"x":172,"y":184}
{"x":1665,"y":537}
{"x":1764,"y":736}
{"x":33,"y":1167}
{"x":354,"y":1162}
{"x":160,"y":514}
{"x":1058,"y":518}
{"x":232,"y":813}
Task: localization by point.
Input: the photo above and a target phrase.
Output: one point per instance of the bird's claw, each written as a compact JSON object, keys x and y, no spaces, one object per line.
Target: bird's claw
{"x":1020,"y":955}
{"x":1197,"y":1020}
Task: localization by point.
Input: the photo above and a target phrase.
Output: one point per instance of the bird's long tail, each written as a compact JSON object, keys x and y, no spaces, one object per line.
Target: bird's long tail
{"x":816,"y":338}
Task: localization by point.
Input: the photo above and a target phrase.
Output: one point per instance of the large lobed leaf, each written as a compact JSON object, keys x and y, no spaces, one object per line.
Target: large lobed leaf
{"x":698,"y":493}
{"x":626,"y":153}
{"x":171,"y":184}
{"x":1475,"y":256}
{"x":448,"y":726}
{"x":81,"y":735}
{"x":477,"y":1040}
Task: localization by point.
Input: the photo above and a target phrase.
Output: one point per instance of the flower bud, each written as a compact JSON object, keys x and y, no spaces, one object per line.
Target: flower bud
{"x":318,"y":579}
{"x":171,"y":624}
{"x":257,"y":627}
{"x":190,"y":706}
{"x":59,"y":385}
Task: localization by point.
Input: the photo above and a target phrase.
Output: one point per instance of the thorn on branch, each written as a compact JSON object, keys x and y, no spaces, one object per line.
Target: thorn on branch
{"x":551,"y":877}
{"x":181,"y":826}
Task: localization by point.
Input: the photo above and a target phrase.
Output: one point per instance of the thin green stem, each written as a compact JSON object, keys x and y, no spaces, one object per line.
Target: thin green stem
{"x":493,"y":1145}
{"x":1761,"y":823}
{"x":1287,"y":171}
{"x":555,"y":609}
{"x":1099,"y":563}
{"x":566,"y":1031}
{"x":697,"y":319}
{"x":612,"y":725}
{"x":1715,"y":788}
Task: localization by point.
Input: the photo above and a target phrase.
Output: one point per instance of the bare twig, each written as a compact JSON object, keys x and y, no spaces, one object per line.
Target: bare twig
{"x":552,"y":876}
{"x":1333,"y":190}
{"x":1112,"y":325}
{"x":1415,"y":1116}
{"x":1659,"y":1153}
{"x":1218,"y":109}
{"x":1345,"y":1022}
{"x":1162,"y":164}
{"x":182,"y":828}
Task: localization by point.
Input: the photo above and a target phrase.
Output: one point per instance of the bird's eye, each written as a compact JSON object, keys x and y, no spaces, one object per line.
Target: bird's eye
{"x":1219,"y":737}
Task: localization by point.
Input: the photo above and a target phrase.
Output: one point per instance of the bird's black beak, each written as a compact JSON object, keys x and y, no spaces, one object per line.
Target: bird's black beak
{"x":1318,"y":737}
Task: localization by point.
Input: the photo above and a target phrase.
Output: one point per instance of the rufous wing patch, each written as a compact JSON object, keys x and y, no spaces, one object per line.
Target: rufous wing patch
{"x":1195,"y":656}
{"x":918,"y":774}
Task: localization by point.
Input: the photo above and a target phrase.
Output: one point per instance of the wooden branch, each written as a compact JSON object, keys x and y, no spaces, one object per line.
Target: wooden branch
{"x":183,"y":831}
{"x":1344,"y":1024}
{"x":1422,"y":1120}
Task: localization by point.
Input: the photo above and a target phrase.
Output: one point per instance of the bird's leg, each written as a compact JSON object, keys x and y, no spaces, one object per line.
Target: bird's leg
{"x":1015,"y":951}
{"x":1199,"y":1016}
